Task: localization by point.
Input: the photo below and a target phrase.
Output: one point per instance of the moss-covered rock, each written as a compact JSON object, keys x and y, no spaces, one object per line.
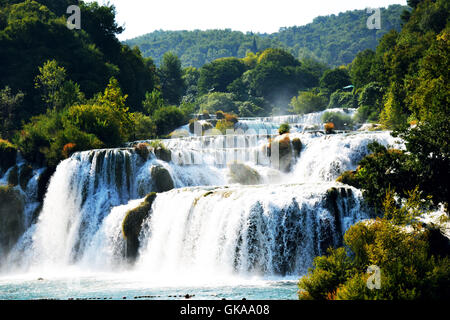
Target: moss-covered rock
{"x":132,"y":225}
{"x":8,"y":155}
{"x":13,"y":176}
{"x":285,"y":159}
{"x":162,"y":179}
{"x":243,"y":174}
{"x":25,"y":174}
{"x":163,"y":154}
{"x":12,"y":226}
{"x":142,"y":150}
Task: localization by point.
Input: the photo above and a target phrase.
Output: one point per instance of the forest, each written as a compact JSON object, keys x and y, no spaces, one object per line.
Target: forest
{"x":333,"y":40}
{"x":63,"y":91}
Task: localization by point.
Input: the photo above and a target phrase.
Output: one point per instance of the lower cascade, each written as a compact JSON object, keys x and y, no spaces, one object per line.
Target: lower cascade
{"x":209,"y":218}
{"x":263,"y":230}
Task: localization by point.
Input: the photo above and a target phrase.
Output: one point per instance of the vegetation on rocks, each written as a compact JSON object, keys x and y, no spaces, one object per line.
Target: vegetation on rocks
{"x":132,"y":225}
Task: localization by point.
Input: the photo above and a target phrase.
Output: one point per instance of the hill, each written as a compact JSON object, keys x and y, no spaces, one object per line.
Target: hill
{"x":333,"y":39}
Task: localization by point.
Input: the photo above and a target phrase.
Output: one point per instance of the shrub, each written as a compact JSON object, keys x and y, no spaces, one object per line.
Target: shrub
{"x":220,"y":115}
{"x":284,"y":128}
{"x":329,"y":127}
{"x":68,"y":149}
{"x":341,"y":121}
{"x":231,"y":118}
{"x":342,"y":99}
{"x":382,"y":171}
{"x":144,"y":127}
{"x":349,"y":177}
{"x":408,"y":269}
{"x":99,"y":121}
{"x":307,"y":102}
{"x":168,"y":119}
{"x":224,"y":125}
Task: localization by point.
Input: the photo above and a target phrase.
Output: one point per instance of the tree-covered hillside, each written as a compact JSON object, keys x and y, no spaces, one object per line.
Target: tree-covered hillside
{"x":334,"y":39}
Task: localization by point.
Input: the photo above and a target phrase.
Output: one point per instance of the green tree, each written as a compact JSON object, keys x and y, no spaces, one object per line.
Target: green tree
{"x":361,"y":68}
{"x":171,"y":76}
{"x":335,"y":79}
{"x":10,"y":105}
{"x":217,"y":75}
{"x":307,"y":102}
{"x":153,"y":101}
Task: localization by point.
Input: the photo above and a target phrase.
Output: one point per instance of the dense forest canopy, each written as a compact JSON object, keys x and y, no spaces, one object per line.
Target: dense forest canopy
{"x":334,"y":39}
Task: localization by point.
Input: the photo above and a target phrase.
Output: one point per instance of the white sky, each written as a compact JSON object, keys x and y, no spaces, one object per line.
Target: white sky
{"x":143,"y":16}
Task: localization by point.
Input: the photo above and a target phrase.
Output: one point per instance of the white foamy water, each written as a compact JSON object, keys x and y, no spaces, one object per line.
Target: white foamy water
{"x":206,"y":230}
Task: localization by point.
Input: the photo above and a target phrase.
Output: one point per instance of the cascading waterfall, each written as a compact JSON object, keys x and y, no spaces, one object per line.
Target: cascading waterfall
{"x":207,"y":225}
{"x":262,"y":230}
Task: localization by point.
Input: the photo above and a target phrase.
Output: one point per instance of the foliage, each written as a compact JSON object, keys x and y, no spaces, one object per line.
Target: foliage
{"x":335,"y":79}
{"x":249,"y":109}
{"x":428,"y":156}
{"x":171,"y":76}
{"x":370,"y":102}
{"x":167,"y":119}
{"x":217,"y":75}
{"x":143,"y":127}
{"x":10,"y":105}
{"x":153,"y":101}
{"x":57,"y":93}
{"x":224,"y":125}
{"x":408,"y":268}
{"x":307,"y":102}
{"x":33,"y":32}
{"x":329,"y":127}
{"x":216,"y":101}
{"x":284,"y":128}
{"x":340,"y":120}
{"x":341,"y":38}
{"x":342,"y":99}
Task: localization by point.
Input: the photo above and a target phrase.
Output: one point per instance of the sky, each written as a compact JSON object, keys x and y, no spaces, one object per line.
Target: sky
{"x":143,"y":16}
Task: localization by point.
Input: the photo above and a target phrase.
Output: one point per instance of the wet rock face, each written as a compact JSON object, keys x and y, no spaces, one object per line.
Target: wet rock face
{"x":8,"y":157}
{"x":132,"y":225}
{"x":161,"y":178}
{"x":243,"y":174}
{"x":284,"y":145}
{"x":163,"y":154}
{"x":11,"y":217}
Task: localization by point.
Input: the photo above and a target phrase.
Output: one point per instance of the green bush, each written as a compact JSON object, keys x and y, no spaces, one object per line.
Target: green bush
{"x":168,"y":119}
{"x":307,"y":102}
{"x":224,"y":125}
{"x":341,"y":121}
{"x":284,"y":128}
{"x":408,"y":269}
{"x":144,"y":127}
{"x":342,"y":99}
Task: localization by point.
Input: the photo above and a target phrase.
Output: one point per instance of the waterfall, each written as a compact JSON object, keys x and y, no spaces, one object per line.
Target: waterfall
{"x":262,"y":230}
{"x":208,"y":224}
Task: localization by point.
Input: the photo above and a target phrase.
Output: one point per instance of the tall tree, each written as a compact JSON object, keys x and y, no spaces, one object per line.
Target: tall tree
{"x":171,"y":76}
